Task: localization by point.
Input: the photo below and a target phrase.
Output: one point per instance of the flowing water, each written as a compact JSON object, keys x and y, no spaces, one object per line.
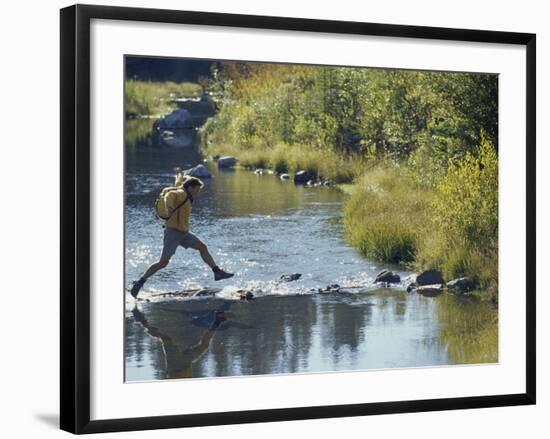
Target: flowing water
{"x":261,"y":227}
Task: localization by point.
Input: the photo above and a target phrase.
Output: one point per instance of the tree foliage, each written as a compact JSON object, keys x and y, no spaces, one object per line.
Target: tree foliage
{"x":403,"y":115}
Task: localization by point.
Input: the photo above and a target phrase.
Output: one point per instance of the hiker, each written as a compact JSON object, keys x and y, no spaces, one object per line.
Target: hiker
{"x":178,"y":206}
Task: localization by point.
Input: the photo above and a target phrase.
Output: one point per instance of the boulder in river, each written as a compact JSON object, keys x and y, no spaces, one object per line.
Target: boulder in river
{"x":245,"y":295}
{"x":387,"y":276}
{"x":284,"y":176}
{"x":227,"y":161}
{"x":430,"y":277}
{"x":289,"y":277}
{"x":332,"y":288}
{"x":176,"y":120}
{"x":303,"y":176}
{"x":199,"y":171}
{"x":461,"y":285}
{"x":430,"y":290}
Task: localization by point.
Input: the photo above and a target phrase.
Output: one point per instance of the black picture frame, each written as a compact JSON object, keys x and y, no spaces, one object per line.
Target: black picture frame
{"x":75,"y":217}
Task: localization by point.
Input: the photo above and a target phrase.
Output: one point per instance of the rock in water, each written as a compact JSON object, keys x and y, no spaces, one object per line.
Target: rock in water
{"x":284,"y":176}
{"x":303,"y":176}
{"x":387,"y":276}
{"x":333,"y":288}
{"x":290,"y":277}
{"x":227,"y":161}
{"x":461,"y":285}
{"x":430,"y":290}
{"x":199,"y":171}
{"x":430,"y":277}
{"x":177,"y":119}
{"x":245,"y":295}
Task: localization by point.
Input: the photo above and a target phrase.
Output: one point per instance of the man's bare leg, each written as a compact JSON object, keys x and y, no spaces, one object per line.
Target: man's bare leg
{"x":209,"y":260}
{"x":205,"y":254}
{"x":153,"y":268}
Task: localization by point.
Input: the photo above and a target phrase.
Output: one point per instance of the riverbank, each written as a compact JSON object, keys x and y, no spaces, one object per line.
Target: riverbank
{"x":324,"y":163}
{"x":154,"y":99}
{"x":394,"y":215}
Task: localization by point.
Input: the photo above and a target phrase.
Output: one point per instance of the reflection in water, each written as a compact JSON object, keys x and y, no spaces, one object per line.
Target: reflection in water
{"x":469,"y":327}
{"x":138,"y":133}
{"x":287,"y":334}
{"x":179,"y":359}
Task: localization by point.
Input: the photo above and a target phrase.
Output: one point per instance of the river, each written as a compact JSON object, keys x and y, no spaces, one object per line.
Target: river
{"x":261,"y":227}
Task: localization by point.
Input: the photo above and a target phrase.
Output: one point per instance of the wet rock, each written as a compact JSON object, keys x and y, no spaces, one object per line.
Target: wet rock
{"x":411,"y":288}
{"x":177,"y":119}
{"x":284,"y":176}
{"x":227,"y":161}
{"x":303,"y":176}
{"x":310,"y":183}
{"x":430,"y":277}
{"x":332,"y":288}
{"x":290,"y":277}
{"x":387,"y":276}
{"x":430,"y":290}
{"x":199,"y":171}
{"x":461,"y":285}
{"x":245,"y":295}
{"x":259,"y":172}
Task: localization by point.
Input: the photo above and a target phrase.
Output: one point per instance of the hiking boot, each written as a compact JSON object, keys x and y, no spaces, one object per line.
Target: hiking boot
{"x":136,"y":286}
{"x":220,"y":274}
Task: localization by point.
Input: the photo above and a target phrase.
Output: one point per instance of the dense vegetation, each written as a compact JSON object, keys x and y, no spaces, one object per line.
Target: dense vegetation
{"x":419,"y":147}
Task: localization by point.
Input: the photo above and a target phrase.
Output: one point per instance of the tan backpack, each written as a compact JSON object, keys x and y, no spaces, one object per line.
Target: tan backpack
{"x":160,"y":204}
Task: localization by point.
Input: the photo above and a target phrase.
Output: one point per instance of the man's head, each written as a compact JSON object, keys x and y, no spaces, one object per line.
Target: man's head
{"x":193,"y":185}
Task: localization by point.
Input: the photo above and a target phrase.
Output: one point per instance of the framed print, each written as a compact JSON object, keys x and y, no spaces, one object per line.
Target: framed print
{"x":318,"y":218}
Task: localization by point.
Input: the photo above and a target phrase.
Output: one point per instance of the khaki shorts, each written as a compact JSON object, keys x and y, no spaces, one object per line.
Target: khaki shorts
{"x":173,"y":238}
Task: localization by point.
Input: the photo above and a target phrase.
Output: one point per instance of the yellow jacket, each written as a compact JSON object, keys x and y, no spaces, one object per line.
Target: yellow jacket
{"x":180,"y":218}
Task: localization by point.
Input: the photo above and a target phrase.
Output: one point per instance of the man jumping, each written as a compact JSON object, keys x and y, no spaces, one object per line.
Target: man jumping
{"x":176,"y":232}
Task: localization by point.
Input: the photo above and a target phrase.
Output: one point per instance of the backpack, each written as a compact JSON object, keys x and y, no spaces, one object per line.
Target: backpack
{"x":160,"y":203}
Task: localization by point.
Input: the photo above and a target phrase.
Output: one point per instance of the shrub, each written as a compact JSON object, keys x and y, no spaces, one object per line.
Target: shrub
{"x":464,"y":236}
{"x":466,"y":201}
